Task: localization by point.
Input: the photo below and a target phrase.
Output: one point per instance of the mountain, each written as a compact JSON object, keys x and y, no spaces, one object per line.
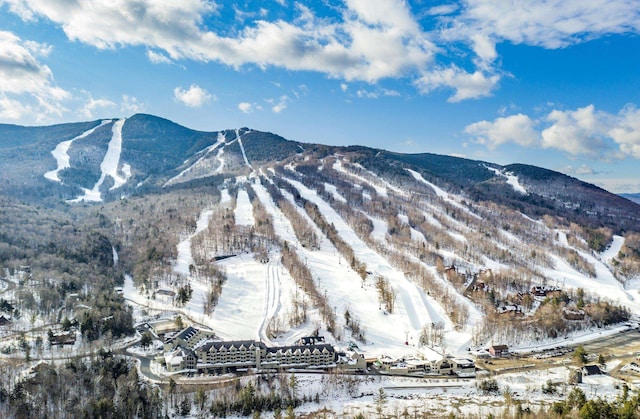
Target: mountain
{"x":148,"y":153}
{"x":260,"y":237}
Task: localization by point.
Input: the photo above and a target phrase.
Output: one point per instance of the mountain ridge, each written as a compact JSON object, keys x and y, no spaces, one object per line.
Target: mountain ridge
{"x":155,"y":150}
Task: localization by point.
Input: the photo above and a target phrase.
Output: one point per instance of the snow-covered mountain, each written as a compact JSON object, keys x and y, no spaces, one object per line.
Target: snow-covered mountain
{"x":273,"y":239}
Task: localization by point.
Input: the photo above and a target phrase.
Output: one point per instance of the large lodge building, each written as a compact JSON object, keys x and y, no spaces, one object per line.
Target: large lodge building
{"x":195,"y":350}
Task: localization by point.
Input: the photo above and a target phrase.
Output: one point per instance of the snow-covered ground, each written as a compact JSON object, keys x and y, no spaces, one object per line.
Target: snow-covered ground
{"x":110,"y":166}
{"x":511,"y":179}
{"x":184,"y":258}
{"x":203,"y":165}
{"x":448,"y":198}
{"x":604,"y":284}
{"x":60,"y":153}
{"x":244,"y":209}
{"x":380,"y":190}
{"x":613,"y":249}
{"x":414,"y":308}
{"x":334,"y":192}
{"x":244,"y":154}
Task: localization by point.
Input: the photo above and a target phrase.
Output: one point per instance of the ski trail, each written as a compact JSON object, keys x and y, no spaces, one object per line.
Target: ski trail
{"x":244,"y":155}
{"x":411,"y":305}
{"x":511,"y":179}
{"x":184,"y":258}
{"x":613,"y":249}
{"x":220,"y":168}
{"x":271,"y":301}
{"x":109,"y":167}
{"x":60,"y":153}
{"x":441,"y":193}
{"x":205,"y":152}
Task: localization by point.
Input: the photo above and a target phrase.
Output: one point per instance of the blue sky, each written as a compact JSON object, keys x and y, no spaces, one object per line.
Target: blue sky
{"x":554,"y":83}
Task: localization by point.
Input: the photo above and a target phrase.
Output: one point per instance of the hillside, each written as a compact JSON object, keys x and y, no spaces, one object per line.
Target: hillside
{"x":265,"y":238}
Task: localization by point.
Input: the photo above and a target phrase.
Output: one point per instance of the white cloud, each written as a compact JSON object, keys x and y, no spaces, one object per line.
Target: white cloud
{"x":158,"y":58}
{"x":626,"y":131}
{"x":546,"y":23}
{"x":246,"y":107}
{"x":26,"y":84}
{"x":367,"y":94}
{"x":13,"y":109}
{"x":581,"y":170}
{"x":517,"y":129}
{"x":576,"y":132}
{"x":466,"y":85}
{"x":370,"y":40}
{"x":92,"y":104}
{"x":445,"y":9}
{"x":344,"y":87}
{"x":364,"y":40}
{"x":194,"y":97}
{"x":280,"y":104}
{"x":580,"y":132}
{"x":130,"y":105}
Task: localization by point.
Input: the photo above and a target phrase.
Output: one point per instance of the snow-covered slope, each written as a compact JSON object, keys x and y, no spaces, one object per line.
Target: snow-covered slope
{"x":60,"y":153}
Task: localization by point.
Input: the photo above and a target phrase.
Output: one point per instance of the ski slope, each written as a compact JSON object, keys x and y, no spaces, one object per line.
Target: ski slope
{"x":61,"y":152}
{"x":511,"y":180}
{"x":244,"y":154}
{"x":184,"y":258}
{"x":109,"y":167}
{"x":244,"y":210}
{"x":201,"y":167}
{"x":413,"y":308}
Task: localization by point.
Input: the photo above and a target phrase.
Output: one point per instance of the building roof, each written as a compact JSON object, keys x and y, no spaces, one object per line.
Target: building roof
{"x":499,"y":347}
{"x":591,"y":369}
{"x":302,"y":348}
{"x":228,"y":344}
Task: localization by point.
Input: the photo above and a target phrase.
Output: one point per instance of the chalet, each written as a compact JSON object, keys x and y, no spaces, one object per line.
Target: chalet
{"x":591,"y":370}
{"x":510,"y":309}
{"x":498,"y":351}
{"x":351,"y":361}
{"x":413,"y":366}
{"x":543,"y":291}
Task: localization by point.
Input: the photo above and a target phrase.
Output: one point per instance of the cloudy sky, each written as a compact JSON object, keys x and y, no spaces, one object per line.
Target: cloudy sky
{"x":554,"y":83}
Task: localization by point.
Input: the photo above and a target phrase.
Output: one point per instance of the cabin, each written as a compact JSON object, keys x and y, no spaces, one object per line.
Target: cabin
{"x":498,"y":351}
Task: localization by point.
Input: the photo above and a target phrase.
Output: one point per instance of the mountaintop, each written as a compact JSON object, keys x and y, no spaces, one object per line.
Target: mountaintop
{"x":154,"y":152}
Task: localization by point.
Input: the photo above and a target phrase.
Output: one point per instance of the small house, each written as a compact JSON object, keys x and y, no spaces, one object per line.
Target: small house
{"x":498,"y":351}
